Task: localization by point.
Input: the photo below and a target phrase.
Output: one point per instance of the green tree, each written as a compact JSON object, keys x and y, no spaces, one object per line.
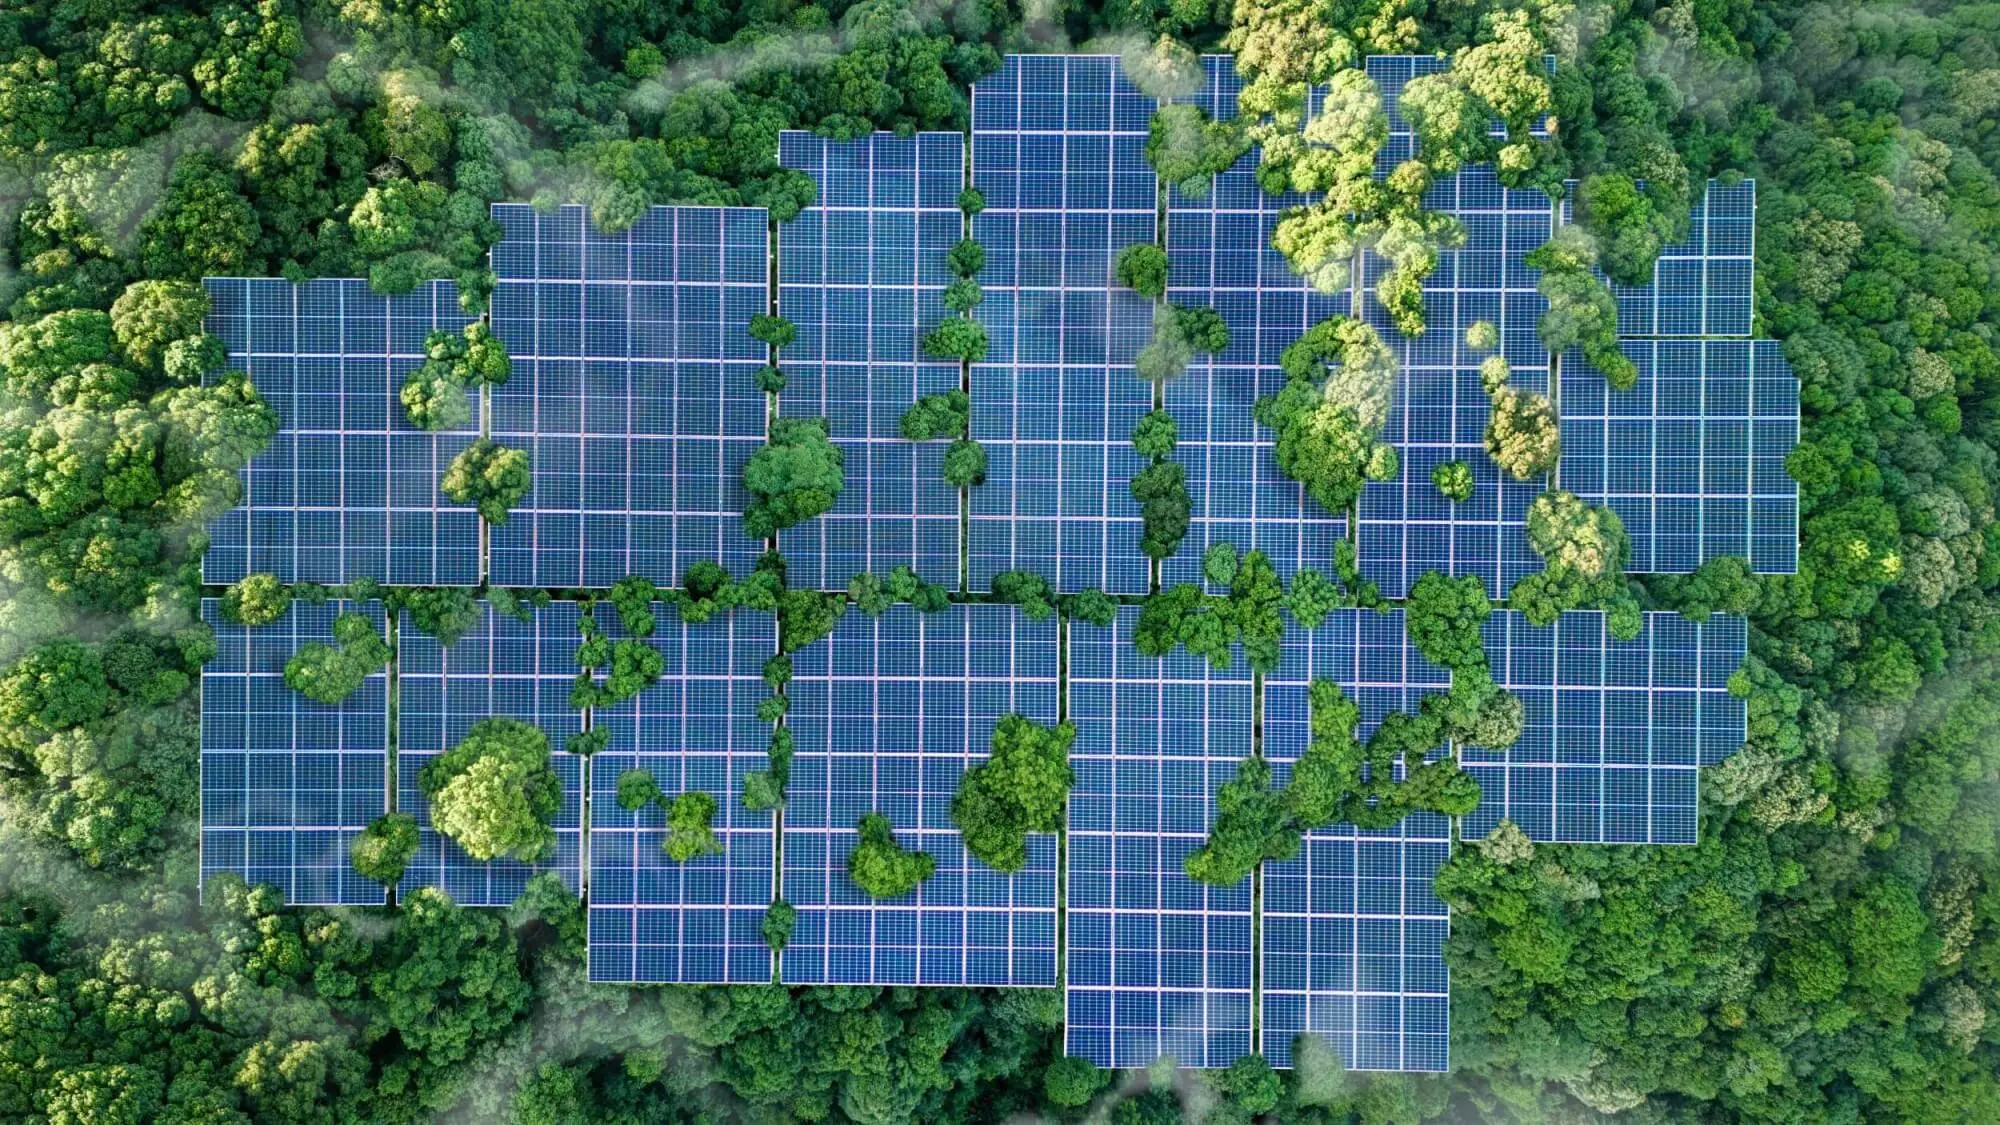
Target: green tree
{"x":384,"y":849}
{"x":329,"y":673}
{"x":689,"y":831}
{"x":256,"y":599}
{"x":882,"y":868}
{"x":489,"y":476}
{"x":1019,"y":789}
{"x":495,"y":794}
{"x":1142,"y":268}
{"x":796,"y":475}
{"x":1453,"y":479}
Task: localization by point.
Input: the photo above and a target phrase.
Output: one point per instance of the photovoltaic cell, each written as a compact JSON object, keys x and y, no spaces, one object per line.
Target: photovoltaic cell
{"x":347,"y":489}
{"x":287,"y":783}
{"x":1158,"y":964}
{"x":1353,"y":933}
{"x":861,"y":274}
{"x":1219,"y":256}
{"x":888,"y":713}
{"x":633,"y":389}
{"x":1058,"y":150}
{"x":501,"y":668}
{"x":1701,"y":285}
{"x":1693,"y":457}
{"x":1616,"y":730}
{"x":653,"y":920}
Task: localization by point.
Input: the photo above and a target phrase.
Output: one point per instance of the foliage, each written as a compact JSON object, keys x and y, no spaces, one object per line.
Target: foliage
{"x":1443,"y":619}
{"x":1142,"y":268}
{"x":1164,"y":507}
{"x":689,"y":831}
{"x":1523,"y":434}
{"x":495,"y":794}
{"x":1187,"y":148}
{"x":447,"y":613}
{"x":957,"y":337}
{"x":779,"y":919}
{"x":1020,"y":788}
{"x":1092,"y":607}
{"x":1026,"y":589}
{"x":385,"y":848}
{"x":489,"y":476}
{"x":947,"y":414}
{"x":329,"y":674}
{"x":1453,"y":480}
{"x":256,"y":599}
{"x":795,"y":476}
{"x":805,"y":616}
{"x":882,"y":868}
{"x":964,"y":463}
{"x":637,"y":789}
{"x":1327,"y":415}
{"x":1155,"y":434}
{"x":1210,"y":626}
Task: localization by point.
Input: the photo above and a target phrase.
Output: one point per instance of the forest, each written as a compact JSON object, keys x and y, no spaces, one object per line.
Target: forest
{"x":1828,"y":952}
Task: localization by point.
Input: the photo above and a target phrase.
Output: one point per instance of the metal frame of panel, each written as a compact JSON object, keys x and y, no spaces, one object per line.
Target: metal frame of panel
{"x":503,"y":667}
{"x":653,"y":920}
{"x":1616,"y":731}
{"x":634,"y":391}
{"x":347,"y":489}
{"x":288,"y":783}
{"x":1157,"y":964}
{"x":888,"y":713}
{"x":1058,"y":150}
{"x":862,"y":274}
{"x":1220,"y":256}
{"x":1353,"y":932}
{"x":1692,"y":458}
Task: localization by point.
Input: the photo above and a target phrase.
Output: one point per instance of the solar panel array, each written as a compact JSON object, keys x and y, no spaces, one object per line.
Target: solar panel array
{"x":633,"y":389}
{"x":347,"y":489}
{"x":1702,"y":285}
{"x":503,"y":667}
{"x":861,"y":274}
{"x":287,"y":783}
{"x":1353,"y":933}
{"x":653,"y":920}
{"x":1405,"y":526}
{"x":1058,"y":150}
{"x":1158,"y":964}
{"x":1219,"y":255}
{"x":887,"y":715}
{"x":1693,"y":457}
{"x":1616,"y":730}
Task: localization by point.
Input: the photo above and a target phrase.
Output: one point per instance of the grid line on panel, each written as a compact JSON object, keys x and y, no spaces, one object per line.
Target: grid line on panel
{"x":1702,"y":285}
{"x":862,"y":275}
{"x":1692,"y":458}
{"x":1158,"y":964}
{"x":347,"y":488}
{"x":503,"y":667}
{"x":653,"y":920}
{"x":634,"y":391}
{"x":1058,"y":151}
{"x":1353,"y":931}
{"x":887,"y":714}
{"x":1616,"y":731}
{"x":288,"y":783}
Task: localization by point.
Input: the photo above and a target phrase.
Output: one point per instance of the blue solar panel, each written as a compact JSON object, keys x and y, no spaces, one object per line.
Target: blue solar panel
{"x":1407,"y":527}
{"x":287,"y":783}
{"x":862,"y":275}
{"x":1353,"y":933}
{"x":1702,"y":285}
{"x":1158,"y":964}
{"x":1220,"y":256}
{"x":888,"y":713}
{"x":1693,"y":457}
{"x":634,"y":390}
{"x":348,"y":489}
{"x":1058,"y":149}
{"x":653,"y":920}
{"x":502,"y":667}
{"x":1616,"y":730}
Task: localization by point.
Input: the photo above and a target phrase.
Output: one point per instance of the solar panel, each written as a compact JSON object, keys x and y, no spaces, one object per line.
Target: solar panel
{"x":653,"y":920}
{"x":347,"y":489}
{"x":862,"y":275}
{"x":1406,"y":526}
{"x":1158,"y":964}
{"x":1220,"y":256}
{"x":1058,"y":149}
{"x":888,"y":713}
{"x":634,"y":391}
{"x":502,"y":667}
{"x":1693,"y":457}
{"x":1616,"y":730}
{"x":1701,"y":285}
{"x":1353,"y":933}
{"x":287,"y":783}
